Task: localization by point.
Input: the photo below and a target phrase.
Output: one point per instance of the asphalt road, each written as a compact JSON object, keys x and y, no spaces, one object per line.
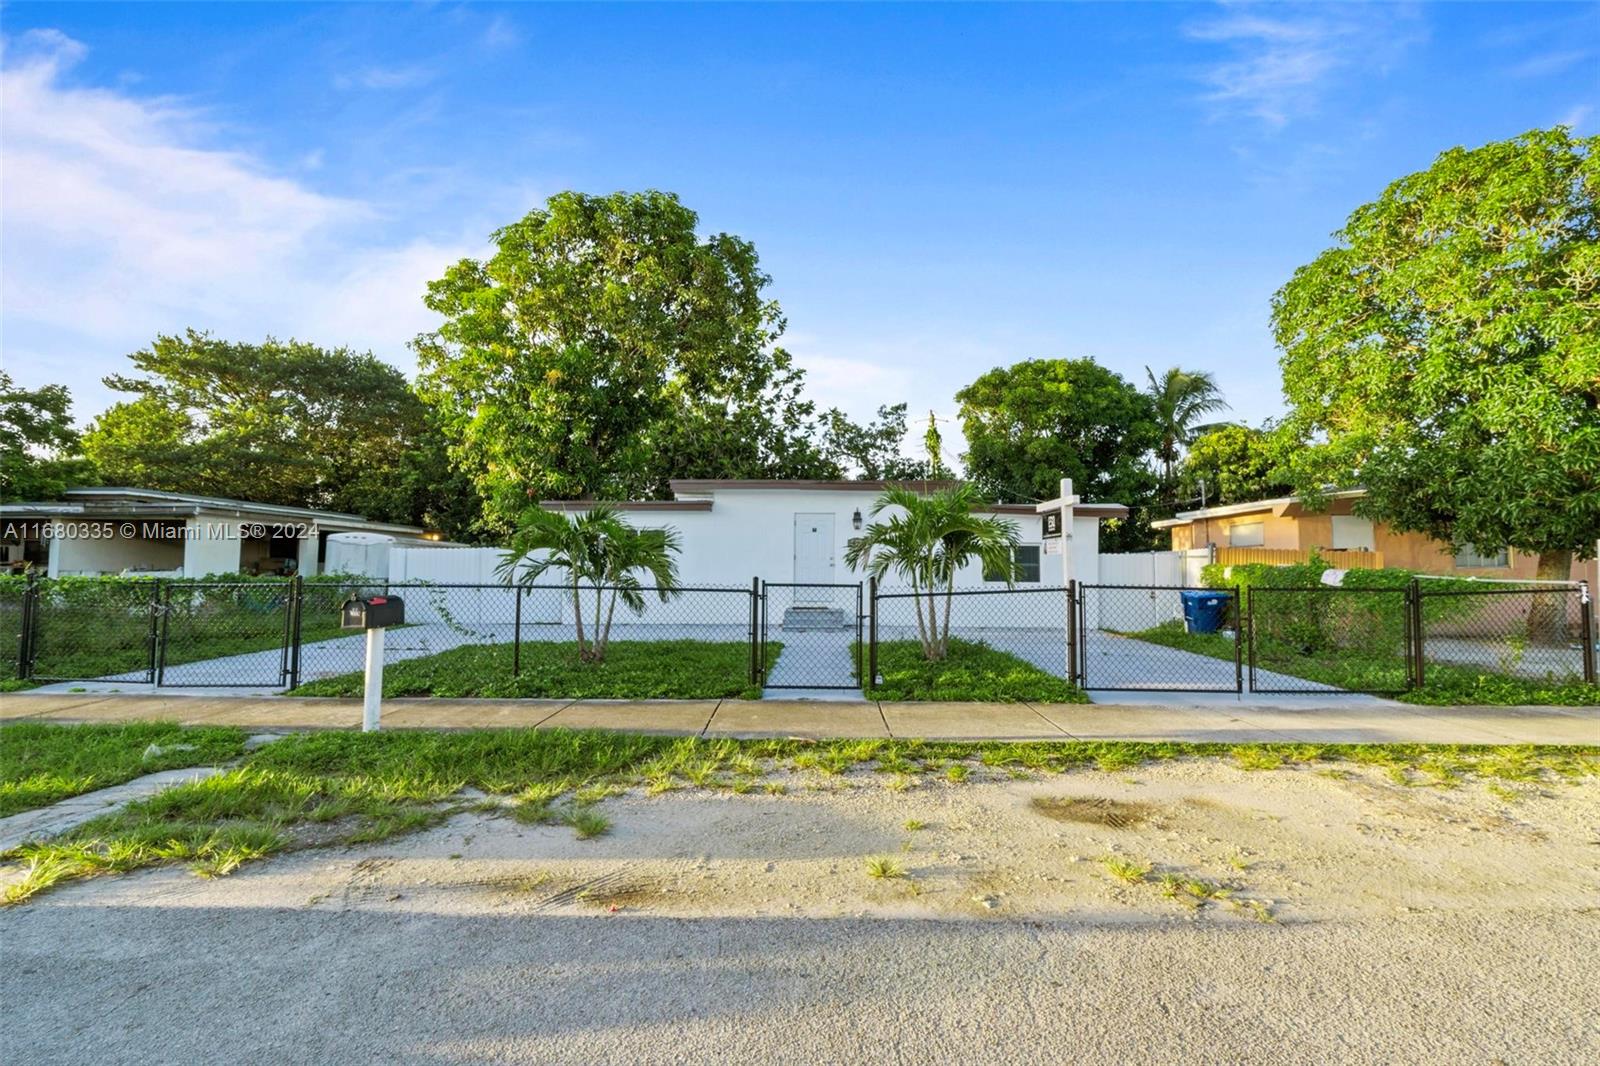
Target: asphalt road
{"x":86,"y":982}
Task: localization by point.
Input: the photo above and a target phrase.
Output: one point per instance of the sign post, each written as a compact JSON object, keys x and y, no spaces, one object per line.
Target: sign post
{"x":1056,"y":524}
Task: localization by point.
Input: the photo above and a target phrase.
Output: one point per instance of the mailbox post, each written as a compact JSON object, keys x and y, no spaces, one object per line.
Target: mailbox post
{"x":373,"y":614}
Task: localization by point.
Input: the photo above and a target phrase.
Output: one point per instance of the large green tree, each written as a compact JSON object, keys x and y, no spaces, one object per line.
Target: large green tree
{"x":1445,"y":353}
{"x":1030,"y":424}
{"x":38,"y":444}
{"x":1235,"y":464}
{"x":276,"y":422}
{"x":604,"y":348}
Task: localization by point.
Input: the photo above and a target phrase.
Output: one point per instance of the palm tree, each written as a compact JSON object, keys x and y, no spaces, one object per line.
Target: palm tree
{"x":1182,"y":398}
{"x":598,"y":549}
{"x":933,"y":537}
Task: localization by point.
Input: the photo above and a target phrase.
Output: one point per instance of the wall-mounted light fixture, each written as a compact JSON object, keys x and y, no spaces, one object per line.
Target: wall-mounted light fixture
{"x":855,"y":519}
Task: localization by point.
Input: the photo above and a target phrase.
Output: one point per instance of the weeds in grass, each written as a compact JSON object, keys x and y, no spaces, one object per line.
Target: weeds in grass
{"x":1252,"y":757}
{"x":884,"y":867}
{"x":1124,"y":869}
{"x":776,"y":788}
{"x":957,"y":773}
{"x":587,"y":822}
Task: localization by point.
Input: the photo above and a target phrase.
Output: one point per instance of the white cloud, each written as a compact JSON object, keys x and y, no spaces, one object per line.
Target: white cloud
{"x":120,"y":221}
{"x":1546,"y":64}
{"x":1282,"y":60}
{"x":384,"y":78}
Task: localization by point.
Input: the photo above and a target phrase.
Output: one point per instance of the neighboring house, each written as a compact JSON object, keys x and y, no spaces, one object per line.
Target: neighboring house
{"x":148,"y":532}
{"x":1284,"y":530}
{"x":797,"y":531}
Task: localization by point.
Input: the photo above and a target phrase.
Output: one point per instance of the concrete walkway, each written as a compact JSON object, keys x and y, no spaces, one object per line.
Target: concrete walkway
{"x":1331,"y":721}
{"x":75,"y":810}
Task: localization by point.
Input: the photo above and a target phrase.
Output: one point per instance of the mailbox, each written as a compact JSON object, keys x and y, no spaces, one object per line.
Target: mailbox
{"x":373,"y":612}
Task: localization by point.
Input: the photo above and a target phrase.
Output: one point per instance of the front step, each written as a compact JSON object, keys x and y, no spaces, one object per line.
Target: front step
{"x":799,"y":619}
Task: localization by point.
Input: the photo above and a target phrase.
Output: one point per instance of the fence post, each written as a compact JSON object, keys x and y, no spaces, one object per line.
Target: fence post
{"x":152,"y":634}
{"x":872,"y":635}
{"x":1072,"y":631}
{"x":516,"y":636}
{"x":1586,"y":630}
{"x":1414,"y":620}
{"x":297,"y":599}
{"x":30,"y":611}
{"x":1250,"y":631}
{"x":161,"y":645}
{"x":1238,"y":644}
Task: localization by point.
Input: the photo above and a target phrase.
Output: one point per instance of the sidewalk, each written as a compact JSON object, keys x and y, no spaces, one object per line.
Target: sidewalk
{"x":1327,"y":722}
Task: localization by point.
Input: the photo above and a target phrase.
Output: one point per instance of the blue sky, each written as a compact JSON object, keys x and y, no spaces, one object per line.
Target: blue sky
{"x":935,"y":190}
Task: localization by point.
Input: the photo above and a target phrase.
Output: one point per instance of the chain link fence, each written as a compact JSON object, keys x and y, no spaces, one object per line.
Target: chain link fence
{"x":1330,"y":639}
{"x":1535,"y":633}
{"x":275,"y":634}
{"x":819,"y":627}
{"x":989,"y":639}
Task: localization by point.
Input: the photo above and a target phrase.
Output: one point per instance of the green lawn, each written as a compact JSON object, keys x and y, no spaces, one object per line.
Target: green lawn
{"x":659,"y":669}
{"x":337,"y":787}
{"x":972,"y":671}
{"x":1446,"y":683}
{"x":41,"y":764}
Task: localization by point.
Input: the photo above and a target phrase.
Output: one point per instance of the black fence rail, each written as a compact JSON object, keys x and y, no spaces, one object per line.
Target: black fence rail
{"x":984,"y":634}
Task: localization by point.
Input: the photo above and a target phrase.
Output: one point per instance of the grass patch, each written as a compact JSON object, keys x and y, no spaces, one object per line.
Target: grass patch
{"x":1446,"y":684}
{"x":587,"y":822}
{"x":1129,"y":871}
{"x":345,"y":787}
{"x":885,"y":868}
{"x":972,"y":671}
{"x":657,"y":669}
{"x":41,"y":763}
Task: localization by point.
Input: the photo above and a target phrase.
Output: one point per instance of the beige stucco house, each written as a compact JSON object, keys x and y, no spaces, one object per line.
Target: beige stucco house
{"x":1270,"y":530}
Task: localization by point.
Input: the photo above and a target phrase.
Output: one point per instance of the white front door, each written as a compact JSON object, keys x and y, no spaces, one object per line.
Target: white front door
{"x":813,"y":552}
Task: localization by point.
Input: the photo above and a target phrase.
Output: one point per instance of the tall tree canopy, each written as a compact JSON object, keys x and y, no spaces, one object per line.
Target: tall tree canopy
{"x":1029,"y":424}
{"x":1236,"y":463}
{"x":604,"y":348}
{"x":277,"y":422}
{"x":38,"y":445}
{"x":1182,"y":399}
{"x":1445,"y":353}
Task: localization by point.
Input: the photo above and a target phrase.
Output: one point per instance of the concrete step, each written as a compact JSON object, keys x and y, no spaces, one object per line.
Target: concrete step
{"x":798,"y":619}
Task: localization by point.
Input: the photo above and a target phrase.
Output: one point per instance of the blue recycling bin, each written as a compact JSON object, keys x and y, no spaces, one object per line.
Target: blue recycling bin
{"x":1204,"y":612}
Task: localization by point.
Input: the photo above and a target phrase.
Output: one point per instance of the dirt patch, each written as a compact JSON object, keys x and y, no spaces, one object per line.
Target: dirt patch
{"x":1093,"y":810}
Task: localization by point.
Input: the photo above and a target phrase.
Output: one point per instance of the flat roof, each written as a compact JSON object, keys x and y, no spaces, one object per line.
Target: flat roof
{"x":158,"y":502}
{"x":1279,"y":505}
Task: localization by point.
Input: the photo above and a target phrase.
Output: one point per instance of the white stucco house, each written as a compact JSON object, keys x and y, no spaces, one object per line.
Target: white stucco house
{"x":146,"y":532}
{"x":797,"y":531}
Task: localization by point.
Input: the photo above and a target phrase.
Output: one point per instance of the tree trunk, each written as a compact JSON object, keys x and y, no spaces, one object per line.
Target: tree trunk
{"x":944,"y":639}
{"x":611,"y":610}
{"x":1547,"y":617}
{"x":577,"y":617}
{"x":922,"y":630}
{"x":597,"y":649}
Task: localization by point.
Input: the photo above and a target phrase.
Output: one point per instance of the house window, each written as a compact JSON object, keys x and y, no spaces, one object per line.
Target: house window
{"x":1352,"y":534}
{"x":1026,"y":557}
{"x":1470,"y":558}
{"x":1247,"y":534}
